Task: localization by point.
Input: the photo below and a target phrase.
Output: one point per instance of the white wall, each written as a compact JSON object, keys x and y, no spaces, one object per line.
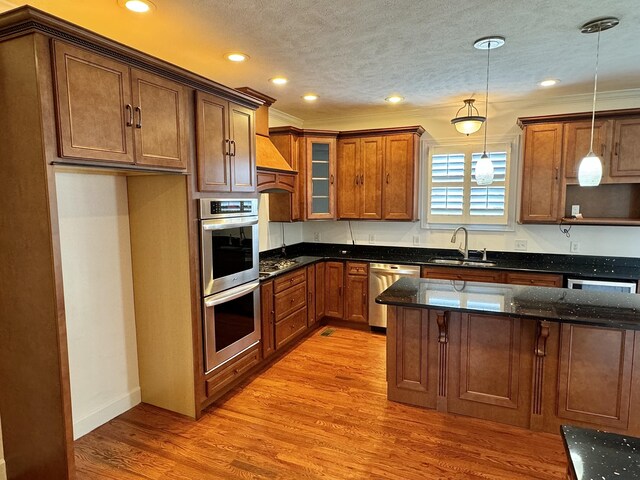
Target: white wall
{"x":271,"y":232}
{"x":594,"y":240}
{"x":3,"y":471}
{"x":98,"y":295}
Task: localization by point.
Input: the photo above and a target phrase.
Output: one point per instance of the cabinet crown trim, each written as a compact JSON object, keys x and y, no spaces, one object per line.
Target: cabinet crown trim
{"x":570,"y":117}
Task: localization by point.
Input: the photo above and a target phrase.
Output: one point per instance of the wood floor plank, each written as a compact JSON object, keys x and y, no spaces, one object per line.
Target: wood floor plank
{"x":320,"y":412}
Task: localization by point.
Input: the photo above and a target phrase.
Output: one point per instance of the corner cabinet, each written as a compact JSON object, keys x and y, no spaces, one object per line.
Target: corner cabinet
{"x":225,"y":150}
{"x":321,"y":178}
{"x":553,"y":148}
{"x":109,"y":112}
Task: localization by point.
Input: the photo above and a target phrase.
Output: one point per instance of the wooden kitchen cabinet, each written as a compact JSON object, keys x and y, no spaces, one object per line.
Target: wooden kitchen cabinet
{"x":320,"y":155}
{"x":490,"y":367}
{"x":225,"y":151}
{"x":463,"y":274}
{"x":320,"y":290}
{"x":400,"y":177}
{"x":577,"y":141}
{"x":533,"y":279}
{"x":110,"y":112}
{"x":541,"y":185}
{"x":360,"y":178}
{"x":625,"y":157}
{"x":334,"y":299}
{"x":290,"y":306}
{"x":289,"y":207}
{"x":311,"y":295}
{"x":356,"y":303}
{"x":267,"y":319}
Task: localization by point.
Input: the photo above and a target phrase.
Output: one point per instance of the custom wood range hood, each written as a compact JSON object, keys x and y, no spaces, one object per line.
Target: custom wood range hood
{"x":274,"y":173}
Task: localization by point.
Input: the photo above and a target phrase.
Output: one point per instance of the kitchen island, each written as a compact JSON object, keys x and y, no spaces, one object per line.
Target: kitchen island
{"x":535,"y":357}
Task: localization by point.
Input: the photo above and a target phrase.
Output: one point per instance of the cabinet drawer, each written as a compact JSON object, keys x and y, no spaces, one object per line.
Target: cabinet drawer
{"x":354,"y":268}
{"x":233,"y":370}
{"x":466,"y":274}
{"x":291,"y":326}
{"x":537,"y":279}
{"x":290,"y":300}
{"x":289,"y":280}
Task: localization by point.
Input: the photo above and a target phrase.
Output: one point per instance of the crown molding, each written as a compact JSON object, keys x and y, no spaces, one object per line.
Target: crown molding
{"x":282,"y":118}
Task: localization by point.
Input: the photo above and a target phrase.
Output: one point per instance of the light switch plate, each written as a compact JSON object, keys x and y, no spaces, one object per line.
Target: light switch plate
{"x":521,"y":245}
{"x":574,"y":247}
{"x":316,"y":236}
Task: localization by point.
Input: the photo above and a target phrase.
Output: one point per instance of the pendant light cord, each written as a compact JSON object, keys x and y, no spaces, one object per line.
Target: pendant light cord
{"x":486,"y":102}
{"x":595,"y":92}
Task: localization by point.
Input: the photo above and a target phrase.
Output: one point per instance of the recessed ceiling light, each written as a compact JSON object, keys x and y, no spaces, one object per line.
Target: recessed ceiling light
{"x":138,"y":6}
{"x":237,"y":57}
{"x":394,"y":99}
{"x":278,"y":80}
{"x":548,"y":83}
{"x":310,"y":97}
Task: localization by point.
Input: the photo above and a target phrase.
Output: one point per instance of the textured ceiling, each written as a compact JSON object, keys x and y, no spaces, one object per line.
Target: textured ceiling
{"x":355,"y":53}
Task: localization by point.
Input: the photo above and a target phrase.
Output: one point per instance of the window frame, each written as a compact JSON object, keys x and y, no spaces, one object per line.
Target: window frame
{"x":506,"y":222}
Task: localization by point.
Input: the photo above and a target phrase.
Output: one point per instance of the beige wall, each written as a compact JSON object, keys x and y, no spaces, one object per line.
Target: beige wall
{"x":98,"y":295}
{"x":594,"y":240}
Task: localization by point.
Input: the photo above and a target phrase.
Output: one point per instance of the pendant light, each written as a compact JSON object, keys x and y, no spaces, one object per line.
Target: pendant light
{"x":471,"y":122}
{"x":484,"y":167}
{"x":590,"y":169}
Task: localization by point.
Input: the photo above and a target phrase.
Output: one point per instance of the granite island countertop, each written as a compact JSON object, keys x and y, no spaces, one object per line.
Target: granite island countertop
{"x":593,"y":454}
{"x":612,"y":310}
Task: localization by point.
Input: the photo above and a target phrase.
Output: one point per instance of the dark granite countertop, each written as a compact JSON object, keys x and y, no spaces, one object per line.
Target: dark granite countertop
{"x":593,"y":454}
{"x":581,"y":266}
{"x":612,"y":310}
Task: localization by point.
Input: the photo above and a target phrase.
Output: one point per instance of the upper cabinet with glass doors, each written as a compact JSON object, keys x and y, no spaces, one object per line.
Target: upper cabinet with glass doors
{"x":321,"y":180}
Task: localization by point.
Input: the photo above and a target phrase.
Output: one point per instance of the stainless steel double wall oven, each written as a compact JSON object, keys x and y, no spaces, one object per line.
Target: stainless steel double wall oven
{"x":230,"y":286}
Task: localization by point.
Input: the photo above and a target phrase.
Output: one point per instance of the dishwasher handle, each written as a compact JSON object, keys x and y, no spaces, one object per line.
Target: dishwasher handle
{"x":396,"y":271}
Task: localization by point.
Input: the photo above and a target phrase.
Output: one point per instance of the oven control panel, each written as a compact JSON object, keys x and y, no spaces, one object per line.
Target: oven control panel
{"x":220,"y":208}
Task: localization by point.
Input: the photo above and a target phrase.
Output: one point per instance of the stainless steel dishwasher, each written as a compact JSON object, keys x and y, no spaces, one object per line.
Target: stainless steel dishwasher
{"x":381,"y":277}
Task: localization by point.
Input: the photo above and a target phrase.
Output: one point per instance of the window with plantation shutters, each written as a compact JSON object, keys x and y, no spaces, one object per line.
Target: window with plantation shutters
{"x":453,"y":196}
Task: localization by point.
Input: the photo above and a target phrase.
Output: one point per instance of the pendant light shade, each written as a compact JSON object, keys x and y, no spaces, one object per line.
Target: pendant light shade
{"x":484,"y":168}
{"x":471,"y":122}
{"x":590,"y":169}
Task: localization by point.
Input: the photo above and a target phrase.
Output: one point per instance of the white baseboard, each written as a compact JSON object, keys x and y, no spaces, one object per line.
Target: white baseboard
{"x":101,"y":416}
{"x":3,"y":471}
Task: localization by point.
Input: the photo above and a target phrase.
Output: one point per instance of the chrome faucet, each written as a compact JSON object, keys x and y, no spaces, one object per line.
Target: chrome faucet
{"x":463,"y":250}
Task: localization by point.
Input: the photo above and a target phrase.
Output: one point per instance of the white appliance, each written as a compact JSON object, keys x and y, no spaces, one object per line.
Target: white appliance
{"x":381,"y":277}
{"x":601,"y":285}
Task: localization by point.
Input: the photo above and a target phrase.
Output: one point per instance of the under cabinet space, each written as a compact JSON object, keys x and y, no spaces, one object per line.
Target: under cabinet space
{"x":617,"y":203}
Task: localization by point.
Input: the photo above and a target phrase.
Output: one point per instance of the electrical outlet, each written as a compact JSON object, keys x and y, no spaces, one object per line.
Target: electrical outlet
{"x":316,"y":236}
{"x":574,"y":247}
{"x":416,"y":239}
{"x":372,"y":238}
{"x":521,"y":245}
{"x":575,"y":210}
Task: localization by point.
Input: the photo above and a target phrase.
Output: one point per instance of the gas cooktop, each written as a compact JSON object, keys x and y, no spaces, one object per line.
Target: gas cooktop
{"x":274,"y":265}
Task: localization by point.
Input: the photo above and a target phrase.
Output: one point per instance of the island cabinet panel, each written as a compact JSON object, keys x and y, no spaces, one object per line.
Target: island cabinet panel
{"x":594,"y":375}
{"x":412,"y":350}
{"x":490,"y":360}
{"x":334,"y":297}
{"x":541,"y":175}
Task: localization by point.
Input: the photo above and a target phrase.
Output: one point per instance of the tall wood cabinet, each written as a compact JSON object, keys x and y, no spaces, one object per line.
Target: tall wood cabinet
{"x":225,"y":151}
{"x":334,"y":283}
{"x":110,"y":112}
{"x":400,"y":177}
{"x":553,"y":148}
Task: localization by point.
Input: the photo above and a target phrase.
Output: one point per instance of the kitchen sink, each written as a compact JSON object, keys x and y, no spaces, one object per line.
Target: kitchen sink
{"x":467,"y":263}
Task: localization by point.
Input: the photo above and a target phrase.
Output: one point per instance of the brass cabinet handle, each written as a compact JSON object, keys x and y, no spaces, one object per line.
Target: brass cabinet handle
{"x":129,"y":110}
{"x":388,"y":175}
{"x":356,"y":180}
{"x":139,"y":122}
{"x":361,"y":179}
{"x":557,"y":173}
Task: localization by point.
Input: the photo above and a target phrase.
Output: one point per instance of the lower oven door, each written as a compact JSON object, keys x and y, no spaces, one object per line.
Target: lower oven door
{"x":231,"y":323}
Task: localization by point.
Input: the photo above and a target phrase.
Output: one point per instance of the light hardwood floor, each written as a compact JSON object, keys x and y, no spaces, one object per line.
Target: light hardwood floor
{"x":319,"y":412}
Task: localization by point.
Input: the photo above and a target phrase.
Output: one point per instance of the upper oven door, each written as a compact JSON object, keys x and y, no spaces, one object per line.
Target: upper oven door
{"x":231,"y":323}
{"x":229,"y":252}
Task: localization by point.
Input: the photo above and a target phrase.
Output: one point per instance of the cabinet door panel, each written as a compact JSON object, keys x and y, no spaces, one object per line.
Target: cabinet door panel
{"x":334,"y":278}
{"x":320,"y":290}
{"x":311,"y":295}
{"x":537,"y":279}
{"x":267,"y":315}
{"x":243,"y":158}
{"x":464,"y":274}
{"x":594,"y":375}
{"x":399,"y":178}
{"x":348,"y":178}
{"x":212,"y":135}
{"x":371,"y":178}
{"x":541,"y":176}
{"x":490,"y":367}
{"x":321,"y":178}
{"x":413,"y":349}
{"x":577,"y":141}
{"x":625,"y":161}
{"x":92,"y":93}
{"x":160,"y":114}
{"x":356,"y":303}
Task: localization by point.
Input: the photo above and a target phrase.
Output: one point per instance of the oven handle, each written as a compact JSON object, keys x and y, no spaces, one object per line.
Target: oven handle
{"x":232,"y":294}
{"x":219,"y":224}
